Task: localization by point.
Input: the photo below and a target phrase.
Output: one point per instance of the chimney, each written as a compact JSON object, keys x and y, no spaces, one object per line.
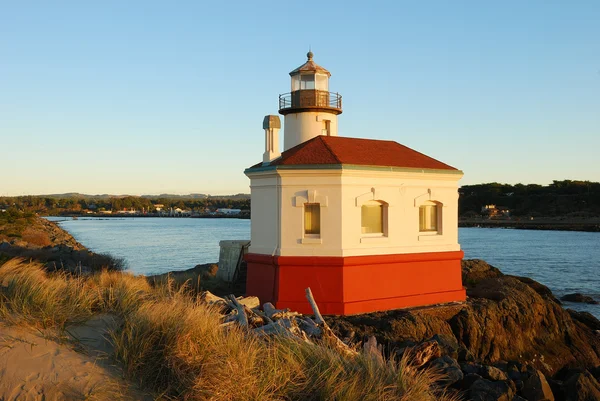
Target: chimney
{"x":271,"y":125}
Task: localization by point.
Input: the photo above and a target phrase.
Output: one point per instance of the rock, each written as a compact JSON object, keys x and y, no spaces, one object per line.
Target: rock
{"x":475,"y":270}
{"x":507,"y":319}
{"x":471,"y":368}
{"x":595,"y":372}
{"x":469,"y":379}
{"x":449,"y":368}
{"x":536,"y":388}
{"x":586,"y":318}
{"x":518,"y":398}
{"x":448,"y":344}
{"x":513,"y":370}
{"x":485,"y":390}
{"x":492,"y":373}
{"x":581,"y":387}
{"x":206,"y":271}
{"x":578,"y":297}
{"x":539,"y":288}
{"x":4,"y":245}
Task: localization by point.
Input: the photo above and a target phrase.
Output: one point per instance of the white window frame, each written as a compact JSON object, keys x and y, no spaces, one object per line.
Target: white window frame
{"x":384,"y":219}
{"x":304,"y":233}
{"x":438,"y":209}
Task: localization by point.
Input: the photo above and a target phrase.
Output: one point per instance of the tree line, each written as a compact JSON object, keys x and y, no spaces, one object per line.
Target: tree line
{"x":560,"y":198}
{"x":50,"y":206}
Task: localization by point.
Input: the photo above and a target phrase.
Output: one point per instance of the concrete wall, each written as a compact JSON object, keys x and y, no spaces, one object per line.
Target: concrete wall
{"x":278,"y":199}
{"x":300,"y":127}
{"x":228,"y":258}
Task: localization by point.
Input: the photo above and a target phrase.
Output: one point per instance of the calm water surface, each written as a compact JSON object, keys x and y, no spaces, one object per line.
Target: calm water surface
{"x":565,"y":261}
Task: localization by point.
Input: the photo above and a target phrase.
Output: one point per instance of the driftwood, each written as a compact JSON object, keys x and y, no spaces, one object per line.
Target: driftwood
{"x":423,"y":353}
{"x":246,"y":312}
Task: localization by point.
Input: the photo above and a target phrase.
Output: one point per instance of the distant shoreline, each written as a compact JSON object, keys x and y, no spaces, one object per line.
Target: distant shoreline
{"x":551,"y":224}
{"x":123,"y":215}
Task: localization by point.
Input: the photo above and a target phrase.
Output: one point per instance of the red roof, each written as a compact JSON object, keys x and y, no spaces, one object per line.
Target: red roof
{"x":362,"y":152}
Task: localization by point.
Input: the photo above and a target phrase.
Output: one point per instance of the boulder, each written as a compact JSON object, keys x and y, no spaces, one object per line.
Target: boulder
{"x":449,"y":368}
{"x":469,"y":379}
{"x":448,"y":344}
{"x":578,"y":297}
{"x":508,"y":319}
{"x":581,"y":386}
{"x":485,"y":390}
{"x":470,"y":368}
{"x":536,"y":388}
{"x":586,"y":318}
{"x":492,"y":373}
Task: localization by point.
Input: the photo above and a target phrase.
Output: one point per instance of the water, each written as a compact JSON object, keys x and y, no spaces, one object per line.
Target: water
{"x":157,"y":245}
{"x":565,"y":261}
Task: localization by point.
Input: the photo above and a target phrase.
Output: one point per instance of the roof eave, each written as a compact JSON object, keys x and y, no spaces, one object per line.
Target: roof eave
{"x":352,"y":167}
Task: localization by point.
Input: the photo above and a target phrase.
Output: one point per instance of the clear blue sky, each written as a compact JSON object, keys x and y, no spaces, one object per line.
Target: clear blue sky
{"x":148,"y":97}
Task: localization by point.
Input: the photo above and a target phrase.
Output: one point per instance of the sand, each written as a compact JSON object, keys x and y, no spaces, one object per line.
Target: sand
{"x":36,"y":368}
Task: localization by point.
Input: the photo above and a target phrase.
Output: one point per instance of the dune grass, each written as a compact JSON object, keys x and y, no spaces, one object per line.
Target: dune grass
{"x":172,"y":344}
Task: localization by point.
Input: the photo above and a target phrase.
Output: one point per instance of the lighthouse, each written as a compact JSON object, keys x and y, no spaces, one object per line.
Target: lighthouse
{"x":367,"y":224}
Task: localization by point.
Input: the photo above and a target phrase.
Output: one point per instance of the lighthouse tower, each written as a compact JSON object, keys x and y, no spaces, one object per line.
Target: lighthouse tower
{"x":309,"y":109}
{"x":367,"y":224}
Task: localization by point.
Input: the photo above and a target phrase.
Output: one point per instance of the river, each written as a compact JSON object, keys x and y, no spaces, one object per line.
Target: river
{"x":565,"y":261}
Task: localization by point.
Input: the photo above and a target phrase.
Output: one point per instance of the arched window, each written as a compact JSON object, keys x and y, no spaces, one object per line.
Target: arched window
{"x":374,"y":218}
{"x":430,"y":217}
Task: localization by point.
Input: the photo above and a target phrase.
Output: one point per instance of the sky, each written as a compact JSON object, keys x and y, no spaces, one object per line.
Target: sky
{"x":151,"y":97}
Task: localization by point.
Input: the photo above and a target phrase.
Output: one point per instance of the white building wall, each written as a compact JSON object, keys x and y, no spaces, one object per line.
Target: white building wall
{"x":341,"y":194}
{"x":265,"y":214}
{"x":300,"y":127}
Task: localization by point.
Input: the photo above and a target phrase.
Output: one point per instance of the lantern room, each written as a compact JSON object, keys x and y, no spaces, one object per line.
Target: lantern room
{"x":310,"y":76}
{"x":310,"y":109}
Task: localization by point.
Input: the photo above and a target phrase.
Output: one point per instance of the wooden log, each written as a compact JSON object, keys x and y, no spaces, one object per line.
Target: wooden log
{"x":249,"y":302}
{"x":241,"y":312}
{"x":327,"y":335}
{"x":209,"y":298}
{"x":309,"y":327}
{"x":263,"y":315}
{"x":274,"y":313}
{"x":311,"y":300}
{"x":372,"y":349}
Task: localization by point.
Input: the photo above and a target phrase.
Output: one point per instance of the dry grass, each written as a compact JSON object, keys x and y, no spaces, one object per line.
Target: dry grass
{"x":170,"y":343}
{"x":36,"y":237}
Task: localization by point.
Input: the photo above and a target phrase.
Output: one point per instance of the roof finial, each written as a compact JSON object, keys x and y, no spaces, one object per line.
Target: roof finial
{"x":309,"y":55}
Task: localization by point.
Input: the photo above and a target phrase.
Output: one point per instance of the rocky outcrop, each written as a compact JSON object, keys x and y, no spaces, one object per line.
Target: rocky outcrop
{"x":578,"y":297}
{"x":512,"y":338}
{"x":47,"y":243}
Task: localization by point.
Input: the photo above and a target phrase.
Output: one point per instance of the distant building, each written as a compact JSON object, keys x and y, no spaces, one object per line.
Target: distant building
{"x":158,"y":207}
{"x":130,"y":211}
{"x":495,"y":211}
{"x":228,"y":211}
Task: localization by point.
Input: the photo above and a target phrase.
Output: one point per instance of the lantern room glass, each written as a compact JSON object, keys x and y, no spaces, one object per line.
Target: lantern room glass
{"x":310,"y":81}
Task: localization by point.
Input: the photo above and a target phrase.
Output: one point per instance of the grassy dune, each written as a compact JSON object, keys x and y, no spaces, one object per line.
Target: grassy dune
{"x":171,"y":344}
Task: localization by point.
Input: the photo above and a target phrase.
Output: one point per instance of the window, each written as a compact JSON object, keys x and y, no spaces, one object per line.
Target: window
{"x":326,"y":131}
{"x":373,"y":218}
{"x":307,"y":82}
{"x":429,"y":217}
{"x":312,"y":219}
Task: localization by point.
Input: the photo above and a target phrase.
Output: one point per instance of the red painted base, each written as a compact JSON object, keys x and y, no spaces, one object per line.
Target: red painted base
{"x":356,"y":284}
